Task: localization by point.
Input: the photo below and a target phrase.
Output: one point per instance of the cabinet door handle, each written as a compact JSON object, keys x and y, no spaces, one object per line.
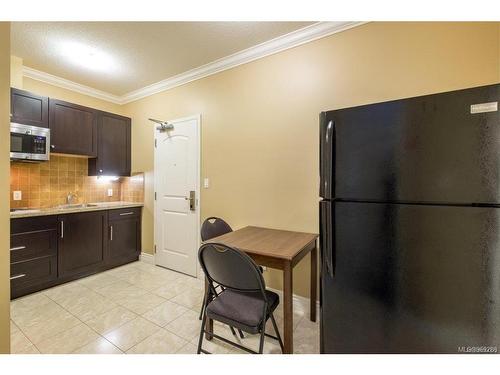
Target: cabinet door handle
{"x":17,"y":248}
{"x":18,"y":276}
{"x":126,"y":213}
{"x":111,"y":233}
{"x":62,"y":229}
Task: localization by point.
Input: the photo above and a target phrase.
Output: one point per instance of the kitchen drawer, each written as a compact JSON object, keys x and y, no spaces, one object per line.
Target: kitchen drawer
{"x":25,"y":246}
{"x":32,"y":275}
{"x":124,"y":213}
{"x":32,"y":224}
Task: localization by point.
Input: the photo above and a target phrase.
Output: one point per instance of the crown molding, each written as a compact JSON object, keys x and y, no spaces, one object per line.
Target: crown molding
{"x":70,"y":85}
{"x":296,"y":38}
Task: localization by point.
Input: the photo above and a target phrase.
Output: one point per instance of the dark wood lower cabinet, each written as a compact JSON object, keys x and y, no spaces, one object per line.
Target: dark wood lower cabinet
{"x":124,"y":236}
{"x":81,"y":242}
{"x":50,"y":250}
{"x":32,"y":275}
{"x":33,"y":254}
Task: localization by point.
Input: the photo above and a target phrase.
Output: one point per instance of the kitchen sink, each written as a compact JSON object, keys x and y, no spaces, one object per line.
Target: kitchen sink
{"x":77,"y":205}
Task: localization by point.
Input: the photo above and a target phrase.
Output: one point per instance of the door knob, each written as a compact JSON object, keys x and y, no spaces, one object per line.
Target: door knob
{"x":192,"y":200}
{"x":52,"y":146}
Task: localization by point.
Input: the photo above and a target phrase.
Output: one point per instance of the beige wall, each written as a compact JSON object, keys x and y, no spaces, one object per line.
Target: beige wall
{"x":4,"y":187}
{"x":16,"y":72}
{"x":260,"y":120}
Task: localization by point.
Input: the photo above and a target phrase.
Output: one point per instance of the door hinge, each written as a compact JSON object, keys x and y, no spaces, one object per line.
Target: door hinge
{"x":155,"y":195}
{"x":155,"y":249}
{"x":155,"y":143}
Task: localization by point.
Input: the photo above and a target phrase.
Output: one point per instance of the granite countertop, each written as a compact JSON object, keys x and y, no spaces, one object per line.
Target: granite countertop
{"x":85,"y":207}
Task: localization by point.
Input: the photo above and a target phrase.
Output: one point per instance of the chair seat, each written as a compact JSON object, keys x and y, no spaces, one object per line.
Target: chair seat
{"x":241,"y":310}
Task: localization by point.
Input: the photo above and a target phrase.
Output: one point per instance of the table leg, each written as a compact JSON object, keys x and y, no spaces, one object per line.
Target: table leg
{"x":314,"y":280}
{"x":209,"y":325}
{"x":288,"y":308}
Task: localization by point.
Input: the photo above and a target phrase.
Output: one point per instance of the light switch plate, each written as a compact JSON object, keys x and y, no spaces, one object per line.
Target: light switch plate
{"x":110,"y":192}
{"x":206,"y":183}
{"x":18,"y":195}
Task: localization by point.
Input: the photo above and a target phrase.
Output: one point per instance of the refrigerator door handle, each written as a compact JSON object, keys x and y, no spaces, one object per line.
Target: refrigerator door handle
{"x":329,"y":128}
{"x":326,"y":237}
{"x":326,"y":134}
{"x":330,"y":242}
{"x":327,"y":141}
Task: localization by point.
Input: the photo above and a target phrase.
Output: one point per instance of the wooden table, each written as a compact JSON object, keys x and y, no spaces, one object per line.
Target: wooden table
{"x":282,"y":250}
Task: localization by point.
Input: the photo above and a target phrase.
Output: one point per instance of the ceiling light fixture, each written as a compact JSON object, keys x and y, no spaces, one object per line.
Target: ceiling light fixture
{"x":86,"y":56}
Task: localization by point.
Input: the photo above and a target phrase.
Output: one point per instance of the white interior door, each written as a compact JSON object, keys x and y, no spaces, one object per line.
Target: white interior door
{"x":177,"y":195}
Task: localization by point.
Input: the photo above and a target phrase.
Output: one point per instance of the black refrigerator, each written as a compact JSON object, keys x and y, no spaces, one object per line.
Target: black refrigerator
{"x":410,"y":225}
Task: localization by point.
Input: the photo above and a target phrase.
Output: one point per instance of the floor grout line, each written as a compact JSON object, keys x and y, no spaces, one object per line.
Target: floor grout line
{"x":133,"y":267}
{"x":25,"y":335}
{"x":69,"y":312}
{"x":125,"y":352}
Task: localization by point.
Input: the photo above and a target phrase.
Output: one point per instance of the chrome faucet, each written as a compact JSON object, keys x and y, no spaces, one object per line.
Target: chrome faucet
{"x":71,"y":198}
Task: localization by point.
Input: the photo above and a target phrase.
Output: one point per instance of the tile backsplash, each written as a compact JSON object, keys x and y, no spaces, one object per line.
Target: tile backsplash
{"x":47,"y":184}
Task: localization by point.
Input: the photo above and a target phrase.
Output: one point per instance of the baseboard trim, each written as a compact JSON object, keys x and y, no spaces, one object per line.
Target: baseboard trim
{"x":147,"y":258}
{"x":300,"y":301}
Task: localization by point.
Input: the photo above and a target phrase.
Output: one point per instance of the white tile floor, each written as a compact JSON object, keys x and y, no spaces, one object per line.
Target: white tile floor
{"x":137,"y":308}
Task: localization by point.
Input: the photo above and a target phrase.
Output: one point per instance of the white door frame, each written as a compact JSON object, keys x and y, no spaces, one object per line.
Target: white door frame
{"x":198,"y":178}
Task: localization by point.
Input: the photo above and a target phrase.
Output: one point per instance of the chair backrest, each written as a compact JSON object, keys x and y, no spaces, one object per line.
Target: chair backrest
{"x":213,"y":227}
{"x":231,"y":268}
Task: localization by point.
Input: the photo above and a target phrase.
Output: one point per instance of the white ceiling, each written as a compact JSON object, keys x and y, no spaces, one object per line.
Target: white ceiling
{"x":135,"y":54}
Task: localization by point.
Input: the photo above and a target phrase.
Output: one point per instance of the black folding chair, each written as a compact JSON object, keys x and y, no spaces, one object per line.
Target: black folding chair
{"x":214,"y":227}
{"x":244,"y":302}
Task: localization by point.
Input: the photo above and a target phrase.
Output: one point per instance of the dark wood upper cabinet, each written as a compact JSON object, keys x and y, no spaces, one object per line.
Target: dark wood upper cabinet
{"x":81,"y":243}
{"x":78,"y":130}
{"x":113,"y":146}
{"x":73,"y":128}
{"x":28,"y":108}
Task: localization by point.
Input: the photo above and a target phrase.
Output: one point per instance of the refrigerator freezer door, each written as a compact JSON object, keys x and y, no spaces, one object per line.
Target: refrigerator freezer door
{"x":433,"y":148}
{"x":412,"y":279}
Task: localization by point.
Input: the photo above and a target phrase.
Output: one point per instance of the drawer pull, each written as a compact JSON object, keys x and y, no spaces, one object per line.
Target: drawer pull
{"x":111,"y":233}
{"x":18,"y":276}
{"x":17,"y":248}
{"x":126,"y":213}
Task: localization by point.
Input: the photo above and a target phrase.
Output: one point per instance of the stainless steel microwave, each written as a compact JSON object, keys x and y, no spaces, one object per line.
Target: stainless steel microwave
{"x":29,"y":143}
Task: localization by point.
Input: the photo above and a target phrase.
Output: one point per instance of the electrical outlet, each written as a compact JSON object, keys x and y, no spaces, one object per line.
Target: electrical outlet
{"x":110,"y":192}
{"x":206,"y":183}
{"x":18,"y":195}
